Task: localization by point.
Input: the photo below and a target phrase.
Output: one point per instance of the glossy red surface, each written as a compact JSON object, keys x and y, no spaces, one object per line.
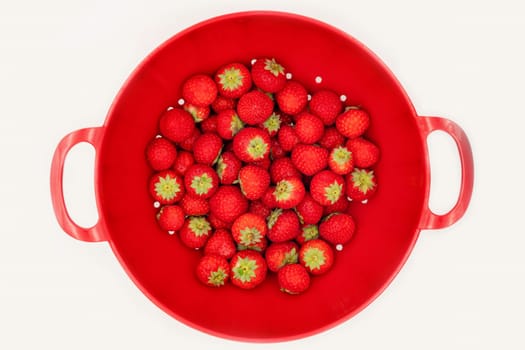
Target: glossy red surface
{"x":387,"y":226}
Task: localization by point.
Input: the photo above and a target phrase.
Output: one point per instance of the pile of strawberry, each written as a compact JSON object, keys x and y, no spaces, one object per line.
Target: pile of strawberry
{"x":258,"y":174}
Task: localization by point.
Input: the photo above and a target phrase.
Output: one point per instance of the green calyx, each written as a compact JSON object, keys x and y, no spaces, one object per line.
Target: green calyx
{"x":283,"y":190}
{"x":194,"y":113}
{"x":273,"y":67}
{"x":273,"y":123}
{"x":310,"y":232}
{"x":236,"y":124}
{"x":231,"y":79}
{"x":314,"y":258}
{"x":363,"y":179}
{"x":250,"y":236}
{"x":274,"y":215}
{"x":199,"y":226}
{"x":217,"y":278}
{"x":291,"y":257}
{"x":333,"y":192}
{"x":341,"y":155}
{"x":167,"y":187}
{"x":257,"y":148}
{"x":202,"y":184}
{"x":244,"y":269}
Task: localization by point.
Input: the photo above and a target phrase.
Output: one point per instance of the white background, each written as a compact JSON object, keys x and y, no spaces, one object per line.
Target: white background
{"x":62,"y":63}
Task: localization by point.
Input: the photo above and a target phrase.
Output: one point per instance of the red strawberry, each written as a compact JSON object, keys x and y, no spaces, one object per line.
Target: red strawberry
{"x":187,"y":144}
{"x":365,"y":153}
{"x":220,"y":243}
{"x":340,"y":160}
{"x":272,"y":124}
{"x":308,"y":232}
{"x":268,"y":75}
{"x":199,"y":90}
{"x":316,"y":256}
{"x":276,"y":151}
{"x":258,"y":208}
{"x":233,"y":80}
{"x":268,"y":199}
{"x":287,"y":138}
{"x":170,"y":217}
{"x":309,"y":159}
{"x":258,"y":247}
{"x":248,"y":269}
{"x":213,"y":270}
{"x":352,"y":123}
{"x":254,"y":107}
{"x":183,"y":162}
{"x":228,"y":124}
{"x":218,"y":223}
{"x":289,"y":192}
{"x":292,"y":98}
{"x":249,"y":229}
{"x":254,"y":181}
{"x":308,"y":127}
{"x":331,"y":138}
{"x":199,"y":113}
{"x":194,"y":206}
{"x":326,"y":105}
{"x":222,"y":103}
{"x":160,"y":154}
{"x":228,"y":203}
{"x":337,"y":228}
{"x":209,"y":124}
{"x":283,"y":168}
{"x":166,"y":187}
{"x":176,"y":124}
{"x":361,"y":184}
{"x":195,"y":231}
{"x":293,"y":279}
{"x":263,"y":163}
{"x":340,"y":206}
{"x":251,"y":144}
{"x":309,"y":211}
{"x":201,"y":181}
{"x":228,"y":166}
{"x":283,"y":225}
{"x":327,"y":187}
{"x":280,"y":254}
{"x":207,"y":148}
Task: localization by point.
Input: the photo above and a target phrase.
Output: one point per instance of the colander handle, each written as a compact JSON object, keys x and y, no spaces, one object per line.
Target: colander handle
{"x":430,"y":220}
{"x":94,"y":137}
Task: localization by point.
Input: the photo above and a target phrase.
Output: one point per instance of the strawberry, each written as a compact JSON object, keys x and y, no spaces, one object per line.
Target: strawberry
{"x":166,"y":187}
{"x":233,"y":80}
{"x":292,"y":98}
{"x":251,"y":144}
{"x":280,"y":254}
{"x":213,"y":270}
{"x":289,"y":192}
{"x":308,"y":127}
{"x":176,"y":125}
{"x":272,"y":124}
{"x":263,"y":163}
{"x":170,"y":217}
{"x":283,"y":225}
{"x":187,"y":144}
{"x":160,"y":154}
{"x":309,"y":159}
{"x":308,"y":232}
{"x":326,"y":105}
{"x":276,"y":151}
{"x":258,"y":208}
{"x":201,"y":181}
{"x":209,"y":125}
{"x":340,"y":206}
{"x":283,"y":168}
{"x":268,"y":75}
{"x":222,"y":103}
{"x":353,"y":122}
{"x":195,"y":231}
{"x":287,"y":138}
{"x":248,"y":269}
{"x":199,"y":113}
{"x":228,"y":203}
{"x":207,"y":148}
{"x":361,"y":184}
{"x":337,"y":228}
{"x":365,"y":153}
{"x":316,"y":256}
{"x":228,"y":124}
{"x":258,"y":247}
{"x":194,"y":206}
{"x":218,"y":223}
{"x":249,"y":229}
{"x":183,"y":162}
{"x":327,"y":187}
{"x":220,"y":243}
{"x":228,"y":166}
{"x":340,"y":160}
{"x":254,"y":107}
{"x":309,"y":211}
{"x":268,"y":199}
{"x":254,"y":181}
{"x":199,"y":90}
{"x":293,"y":279}
{"x":331,"y":138}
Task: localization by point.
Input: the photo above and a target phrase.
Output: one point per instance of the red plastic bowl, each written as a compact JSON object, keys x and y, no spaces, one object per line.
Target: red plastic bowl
{"x":388,"y":225}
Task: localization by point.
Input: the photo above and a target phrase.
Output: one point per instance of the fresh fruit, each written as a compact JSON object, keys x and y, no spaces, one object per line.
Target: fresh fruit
{"x":326,"y":105}
{"x":195,"y":231}
{"x":254,"y":181}
{"x":222,"y":103}
{"x":248,"y":269}
{"x":207,"y":148}
{"x":254,"y":107}
{"x":276,"y":151}
{"x":199,"y":90}
{"x":283,"y":225}
{"x":292,"y":98}
{"x":293,"y":279}
{"x":287,"y":138}
{"x":327,"y":187}
{"x":199,"y":113}
{"x":365,"y":153}
{"x":352,"y":123}
{"x":258,"y":247}
{"x":249,"y":229}
{"x":272,"y":124}
{"x":194,"y":206}
{"x":176,"y":124}
{"x":251,"y":144}
{"x":213,"y":270}
{"x":331,"y":138}
{"x":233,"y":80}
{"x":228,"y":124}
{"x":340,"y":206}
{"x":268,"y":75}
{"x":360,"y":184}
{"x":228,"y":203}
{"x":220,"y":243}
{"x":283,"y":168}
{"x":217,"y":223}
{"x":209,"y":125}
{"x":340,"y":160}
{"x":160,"y":154}
{"x":228,"y":166}
{"x":309,"y":128}
{"x":309,"y":210}
{"x":257,"y":207}
{"x":201,"y":181}
{"x":170,"y":217}
{"x":289,"y":192}
{"x":308,"y":232}
{"x":187,"y":144}
{"x":337,"y":228}
{"x":183,"y":162}
{"x":166,"y":187}
{"x":280,"y":254}
{"x":309,"y":159}
{"x":316,"y":256}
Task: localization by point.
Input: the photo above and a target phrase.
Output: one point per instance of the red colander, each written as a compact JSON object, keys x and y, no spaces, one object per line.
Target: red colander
{"x":163,"y":268}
